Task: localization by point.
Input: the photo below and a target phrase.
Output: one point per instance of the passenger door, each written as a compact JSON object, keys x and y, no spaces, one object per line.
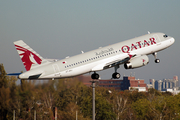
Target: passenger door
{"x":56,"y":70}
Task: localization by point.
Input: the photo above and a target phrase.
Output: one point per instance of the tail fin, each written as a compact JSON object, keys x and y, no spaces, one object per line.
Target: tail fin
{"x":29,"y":57}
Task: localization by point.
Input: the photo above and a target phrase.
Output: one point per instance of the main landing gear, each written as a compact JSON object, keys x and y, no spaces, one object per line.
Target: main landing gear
{"x":95,"y":76}
{"x":115,"y":75}
{"x":155,"y":56}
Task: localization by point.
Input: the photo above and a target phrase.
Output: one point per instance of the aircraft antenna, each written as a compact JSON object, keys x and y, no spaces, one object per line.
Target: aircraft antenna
{"x":149,"y":32}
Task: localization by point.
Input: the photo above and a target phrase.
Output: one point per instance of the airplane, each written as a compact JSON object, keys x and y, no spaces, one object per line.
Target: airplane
{"x":132,"y":53}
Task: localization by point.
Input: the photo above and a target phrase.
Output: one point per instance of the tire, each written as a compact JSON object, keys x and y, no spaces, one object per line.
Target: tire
{"x":157,"y":61}
{"x":95,"y":76}
{"x":116,"y":75}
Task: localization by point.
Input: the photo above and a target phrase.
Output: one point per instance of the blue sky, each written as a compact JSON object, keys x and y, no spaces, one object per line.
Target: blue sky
{"x":56,"y":29}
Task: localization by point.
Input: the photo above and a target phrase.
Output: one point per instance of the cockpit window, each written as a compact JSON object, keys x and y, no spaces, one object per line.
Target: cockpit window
{"x":165,"y":36}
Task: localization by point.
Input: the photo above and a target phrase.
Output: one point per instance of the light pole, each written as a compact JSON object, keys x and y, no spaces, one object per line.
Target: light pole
{"x":93,"y":99}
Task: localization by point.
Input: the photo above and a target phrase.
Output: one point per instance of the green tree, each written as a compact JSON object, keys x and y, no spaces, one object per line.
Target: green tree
{"x":120,"y":105}
{"x":6,"y":86}
{"x":4,"y":102}
{"x":81,"y":95}
{"x":14,"y":103}
{"x":104,"y":109}
{"x":3,"y":77}
{"x":173,"y":106}
{"x":141,"y":109}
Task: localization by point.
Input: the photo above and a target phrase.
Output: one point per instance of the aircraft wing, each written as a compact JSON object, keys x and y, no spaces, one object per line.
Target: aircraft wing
{"x":111,"y":62}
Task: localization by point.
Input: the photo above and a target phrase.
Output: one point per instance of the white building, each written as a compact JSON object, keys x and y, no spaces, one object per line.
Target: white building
{"x":139,"y":89}
{"x":174,"y":91}
{"x":149,"y":86}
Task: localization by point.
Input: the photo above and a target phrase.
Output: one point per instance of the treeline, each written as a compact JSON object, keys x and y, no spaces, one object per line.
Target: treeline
{"x":72,"y":98}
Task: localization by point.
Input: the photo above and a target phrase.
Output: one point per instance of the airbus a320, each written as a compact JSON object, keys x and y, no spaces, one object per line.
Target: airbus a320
{"x":131,"y":53}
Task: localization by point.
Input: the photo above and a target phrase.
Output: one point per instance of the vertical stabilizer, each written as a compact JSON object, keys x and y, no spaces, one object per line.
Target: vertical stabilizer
{"x":29,"y":57}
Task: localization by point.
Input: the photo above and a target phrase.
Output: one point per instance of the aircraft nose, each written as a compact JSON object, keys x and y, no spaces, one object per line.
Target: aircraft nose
{"x":172,"y":40}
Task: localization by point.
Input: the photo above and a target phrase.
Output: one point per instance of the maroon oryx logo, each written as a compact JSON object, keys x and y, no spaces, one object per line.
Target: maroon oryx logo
{"x":28,"y":58}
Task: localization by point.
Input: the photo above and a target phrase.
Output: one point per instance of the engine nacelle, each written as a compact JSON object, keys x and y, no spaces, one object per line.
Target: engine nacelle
{"x":137,"y":62}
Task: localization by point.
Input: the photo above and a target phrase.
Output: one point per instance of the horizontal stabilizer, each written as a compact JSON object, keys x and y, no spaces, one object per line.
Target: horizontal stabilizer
{"x":14,"y":74}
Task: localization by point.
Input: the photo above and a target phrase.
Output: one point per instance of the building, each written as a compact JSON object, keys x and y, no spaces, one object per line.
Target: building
{"x":152,"y":82}
{"x":163,"y":85}
{"x":174,"y":91}
{"x":130,"y":83}
{"x":149,"y":86}
{"x":127,"y":83}
{"x":117,"y":84}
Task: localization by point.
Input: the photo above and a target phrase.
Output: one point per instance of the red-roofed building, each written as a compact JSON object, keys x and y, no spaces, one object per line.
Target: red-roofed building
{"x":131,"y":82}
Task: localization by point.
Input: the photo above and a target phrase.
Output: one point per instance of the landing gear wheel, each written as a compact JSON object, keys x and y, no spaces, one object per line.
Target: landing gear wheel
{"x":116,"y":75}
{"x":95,"y":76}
{"x":157,"y":60}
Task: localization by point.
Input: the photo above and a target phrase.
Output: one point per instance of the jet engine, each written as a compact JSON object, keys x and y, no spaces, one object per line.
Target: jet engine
{"x":136,"y":62}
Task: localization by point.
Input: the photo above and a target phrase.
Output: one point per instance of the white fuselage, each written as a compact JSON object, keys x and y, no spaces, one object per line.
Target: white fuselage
{"x":99,"y":59}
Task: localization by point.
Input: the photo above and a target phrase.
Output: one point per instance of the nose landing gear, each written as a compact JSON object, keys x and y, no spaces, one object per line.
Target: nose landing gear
{"x":155,"y":56}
